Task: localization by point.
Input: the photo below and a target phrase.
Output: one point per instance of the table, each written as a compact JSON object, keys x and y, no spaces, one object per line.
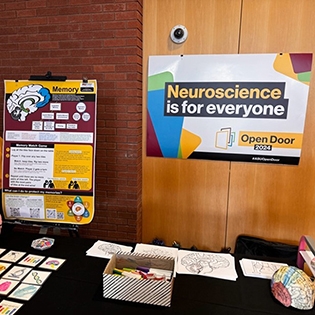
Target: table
{"x":76,"y":287}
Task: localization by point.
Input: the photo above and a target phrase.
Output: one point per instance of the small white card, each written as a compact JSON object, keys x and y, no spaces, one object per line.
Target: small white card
{"x":7,"y":285}
{"x":24,"y":291}
{"x":52,"y":263}
{"x":17,"y":273}
{"x":4,"y":267}
{"x":37,"y":277}
{"x":2,"y":250}
{"x":12,"y":256}
{"x":31,"y":260}
{"x":9,"y":307}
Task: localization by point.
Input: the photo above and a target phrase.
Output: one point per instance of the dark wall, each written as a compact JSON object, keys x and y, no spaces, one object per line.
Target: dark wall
{"x":97,"y":39}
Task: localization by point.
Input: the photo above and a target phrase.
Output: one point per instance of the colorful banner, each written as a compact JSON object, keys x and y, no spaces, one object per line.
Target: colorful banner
{"x":49,"y":151}
{"x":248,"y":107}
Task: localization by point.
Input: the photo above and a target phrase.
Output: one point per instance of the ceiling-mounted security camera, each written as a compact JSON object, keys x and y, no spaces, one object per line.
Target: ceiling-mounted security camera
{"x":179,"y":34}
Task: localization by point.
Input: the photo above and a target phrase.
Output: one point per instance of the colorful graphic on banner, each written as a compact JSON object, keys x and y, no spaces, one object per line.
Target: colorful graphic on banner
{"x":49,"y":151}
{"x":248,"y":108}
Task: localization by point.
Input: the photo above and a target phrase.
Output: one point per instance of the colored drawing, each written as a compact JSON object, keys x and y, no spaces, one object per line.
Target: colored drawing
{"x":9,"y":307}
{"x":12,"y":256}
{"x":52,"y":263}
{"x":31,"y":260}
{"x":24,"y":291}
{"x":7,"y":285}
{"x":17,"y":273}
{"x":37,"y":277}
{"x":4,"y":266}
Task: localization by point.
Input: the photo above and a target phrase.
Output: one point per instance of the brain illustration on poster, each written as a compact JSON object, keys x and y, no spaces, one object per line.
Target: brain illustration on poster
{"x":26,"y":100}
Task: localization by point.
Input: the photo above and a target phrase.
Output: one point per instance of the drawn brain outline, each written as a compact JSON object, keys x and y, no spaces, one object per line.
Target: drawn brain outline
{"x":197,"y":262}
{"x":109,"y":248}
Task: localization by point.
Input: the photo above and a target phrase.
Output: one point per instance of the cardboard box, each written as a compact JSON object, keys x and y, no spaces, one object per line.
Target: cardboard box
{"x":142,"y":291}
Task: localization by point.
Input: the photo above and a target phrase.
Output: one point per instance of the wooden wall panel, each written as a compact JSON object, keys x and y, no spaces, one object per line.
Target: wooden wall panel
{"x":186,"y":200}
{"x":273,"y":201}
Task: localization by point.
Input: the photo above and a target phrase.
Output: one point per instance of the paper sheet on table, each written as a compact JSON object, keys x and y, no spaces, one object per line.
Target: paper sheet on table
{"x":156,"y":250}
{"x":150,"y":249}
{"x":216,"y":265}
{"x":258,"y":268}
{"x":104,"y":249}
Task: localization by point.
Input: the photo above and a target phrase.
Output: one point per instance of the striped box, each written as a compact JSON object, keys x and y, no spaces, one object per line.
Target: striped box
{"x":134,"y":290}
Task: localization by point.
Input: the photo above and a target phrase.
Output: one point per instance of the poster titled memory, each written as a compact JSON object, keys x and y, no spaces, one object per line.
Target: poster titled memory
{"x":49,"y":151}
{"x":248,"y":107}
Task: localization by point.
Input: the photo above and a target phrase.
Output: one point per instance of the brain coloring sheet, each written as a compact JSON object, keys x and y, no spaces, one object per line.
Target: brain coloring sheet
{"x":217,"y":265}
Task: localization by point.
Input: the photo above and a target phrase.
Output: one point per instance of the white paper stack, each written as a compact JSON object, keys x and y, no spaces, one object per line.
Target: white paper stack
{"x":103,"y":249}
{"x":216,"y":265}
{"x":259,"y":268}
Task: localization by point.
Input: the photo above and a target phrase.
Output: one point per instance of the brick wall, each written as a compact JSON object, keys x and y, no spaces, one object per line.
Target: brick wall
{"x":102,"y":40}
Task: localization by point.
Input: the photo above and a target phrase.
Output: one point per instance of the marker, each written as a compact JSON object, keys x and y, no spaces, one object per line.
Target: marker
{"x":144,"y":269}
{"x":117,"y":271}
{"x":128,"y":269}
{"x":136,"y":272}
{"x":151,"y":276}
{"x":131,"y":275}
{"x":160,"y":277}
{"x":143,"y":275}
{"x":148,"y":276}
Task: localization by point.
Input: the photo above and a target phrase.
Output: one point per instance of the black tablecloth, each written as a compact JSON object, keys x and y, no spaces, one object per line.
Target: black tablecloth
{"x":76,"y":287}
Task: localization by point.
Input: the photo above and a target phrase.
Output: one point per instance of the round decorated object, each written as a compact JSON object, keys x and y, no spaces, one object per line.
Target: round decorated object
{"x":293,"y":287}
{"x":43,"y":243}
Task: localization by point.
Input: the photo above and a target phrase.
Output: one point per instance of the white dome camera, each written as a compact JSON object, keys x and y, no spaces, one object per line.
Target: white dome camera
{"x":179,"y":34}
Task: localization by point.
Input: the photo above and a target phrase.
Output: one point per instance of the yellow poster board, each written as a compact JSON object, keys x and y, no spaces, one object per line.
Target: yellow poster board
{"x":49,"y":151}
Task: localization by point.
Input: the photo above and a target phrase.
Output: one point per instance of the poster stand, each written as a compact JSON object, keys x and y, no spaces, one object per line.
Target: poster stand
{"x":72,"y":229}
{"x":47,"y":77}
